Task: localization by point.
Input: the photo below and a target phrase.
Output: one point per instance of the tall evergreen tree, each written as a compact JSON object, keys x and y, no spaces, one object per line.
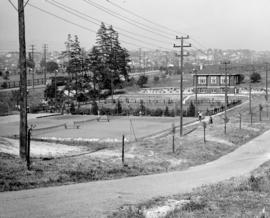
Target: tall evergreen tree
{"x":109,"y":59}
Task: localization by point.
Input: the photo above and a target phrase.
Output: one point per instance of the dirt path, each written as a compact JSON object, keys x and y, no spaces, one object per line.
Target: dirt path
{"x":41,"y":149}
{"x":98,"y":199}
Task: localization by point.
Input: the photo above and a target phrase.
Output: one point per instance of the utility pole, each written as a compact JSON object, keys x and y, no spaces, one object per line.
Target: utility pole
{"x":32,"y":48}
{"x":182,"y":55}
{"x":144,"y":63}
{"x":226,"y":94}
{"x":196,"y":92}
{"x":266,"y":81}
{"x":266,"y":87}
{"x":23,"y":80}
{"x":45,"y":47}
{"x":140,"y":59}
{"x":32,"y":59}
{"x":113,"y":72}
{"x":250,"y":109}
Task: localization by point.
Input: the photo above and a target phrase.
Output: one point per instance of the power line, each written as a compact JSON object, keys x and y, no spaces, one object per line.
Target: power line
{"x":81,"y":15}
{"x":81,"y":26}
{"x":156,"y":24}
{"x":127,"y":20}
{"x":86,"y":15}
{"x":145,"y":19}
{"x":61,"y":18}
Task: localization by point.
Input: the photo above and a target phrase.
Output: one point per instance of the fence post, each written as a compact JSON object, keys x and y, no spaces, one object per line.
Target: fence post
{"x":204,"y":127}
{"x":260,"y":109}
{"x":123,"y":149}
{"x":173,"y":133}
{"x":240,"y":120}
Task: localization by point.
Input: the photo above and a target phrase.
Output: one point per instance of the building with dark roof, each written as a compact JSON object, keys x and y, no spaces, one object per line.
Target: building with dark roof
{"x":208,"y":83}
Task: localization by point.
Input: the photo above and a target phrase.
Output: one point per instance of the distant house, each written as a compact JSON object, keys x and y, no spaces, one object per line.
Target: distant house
{"x":215,"y":83}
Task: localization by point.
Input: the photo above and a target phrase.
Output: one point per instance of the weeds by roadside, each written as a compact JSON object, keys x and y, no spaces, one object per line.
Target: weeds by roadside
{"x":238,"y":197}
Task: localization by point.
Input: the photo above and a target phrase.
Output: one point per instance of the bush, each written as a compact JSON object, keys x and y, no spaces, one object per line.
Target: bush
{"x":118,"y":108}
{"x":35,"y":109}
{"x":191,"y":110}
{"x":142,"y":80}
{"x":130,"y":82}
{"x":82,"y":111}
{"x":157,"y":112}
{"x":4,"y":85}
{"x":255,"y":77}
{"x":172,"y":113}
{"x":72,"y":108}
{"x":3,"y":108}
{"x":166,"y":111}
{"x":241,"y":78}
{"x":81,"y":97}
{"x":6,"y":76}
{"x":136,"y":112}
{"x":106,"y":111}
{"x":156,"y":79}
{"x":94,"y":108}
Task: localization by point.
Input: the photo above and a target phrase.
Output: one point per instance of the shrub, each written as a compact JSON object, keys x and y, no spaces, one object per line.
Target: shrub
{"x":82,"y":111}
{"x":35,"y":108}
{"x":191,"y":110}
{"x":157,"y":112}
{"x":81,"y":97}
{"x":142,"y":80}
{"x":254,"y":183}
{"x":6,"y":76}
{"x":136,"y":112}
{"x":4,"y":85}
{"x":172,"y":113}
{"x":166,"y":111}
{"x":156,"y":79}
{"x":255,"y":77}
{"x":241,"y":78}
{"x":130,"y":82}
{"x":94,"y":108}
{"x":118,"y":108}
{"x":3,"y":108}
{"x":72,"y":108}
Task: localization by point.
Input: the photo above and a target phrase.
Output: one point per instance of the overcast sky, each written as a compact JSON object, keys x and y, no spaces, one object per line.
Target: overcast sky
{"x":225,"y":24}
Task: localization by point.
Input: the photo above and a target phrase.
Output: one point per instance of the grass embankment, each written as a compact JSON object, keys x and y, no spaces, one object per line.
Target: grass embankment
{"x":238,"y":197}
{"x":15,"y":176}
{"x":141,"y":158}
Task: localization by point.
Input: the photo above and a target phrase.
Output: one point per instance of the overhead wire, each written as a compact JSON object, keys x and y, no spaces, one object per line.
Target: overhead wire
{"x":156,"y":24}
{"x":79,"y":25}
{"x":125,"y":19}
{"x":83,"y":16}
{"x":143,"y":18}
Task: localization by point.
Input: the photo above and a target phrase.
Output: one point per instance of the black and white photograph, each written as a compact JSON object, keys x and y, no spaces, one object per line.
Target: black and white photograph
{"x":134,"y":108}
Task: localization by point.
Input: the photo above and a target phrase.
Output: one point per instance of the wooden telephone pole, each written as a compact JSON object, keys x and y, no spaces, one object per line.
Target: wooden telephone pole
{"x":266,"y":87}
{"x":23,"y":80}
{"x":182,"y":55}
{"x":45,"y":47}
{"x":226,"y":94}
